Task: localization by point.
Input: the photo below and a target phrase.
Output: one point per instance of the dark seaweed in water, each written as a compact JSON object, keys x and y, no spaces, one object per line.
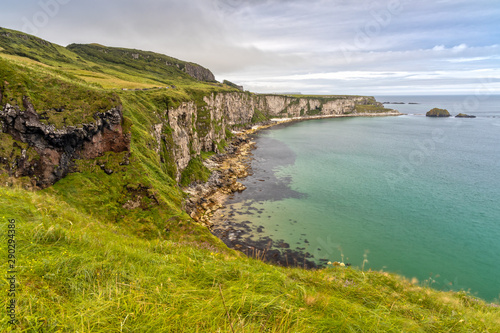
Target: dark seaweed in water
{"x":263,"y":185}
{"x":238,"y":236}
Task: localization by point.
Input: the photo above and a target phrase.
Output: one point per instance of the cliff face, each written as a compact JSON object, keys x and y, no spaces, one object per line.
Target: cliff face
{"x":69,"y":122}
{"x":141,"y":62}
{"x":202,"y":127}
{"x":46,"y":154}
{"x":199,"y":73}
{"x":282,"y":106}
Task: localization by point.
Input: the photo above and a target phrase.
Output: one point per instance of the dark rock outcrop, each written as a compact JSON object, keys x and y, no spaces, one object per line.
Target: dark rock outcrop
{"x":438,"y":113}
{"x":199,"y":73}
{"x":234,"y":85}
{"x":463,"y":115}
{"x":57,"y":148}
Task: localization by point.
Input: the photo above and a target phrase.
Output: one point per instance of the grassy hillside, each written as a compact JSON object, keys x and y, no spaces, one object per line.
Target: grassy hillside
{"x":117,"y":253}
{"x":153,"y":66}
{"x":102,"y":67}
{"x":80,"y":272}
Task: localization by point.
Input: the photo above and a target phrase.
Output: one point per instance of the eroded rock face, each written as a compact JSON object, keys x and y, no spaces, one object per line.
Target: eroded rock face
{"x":234,"y":108}
{"x":203,"y":128}
{"x":199,"y":73}
{"x":185,"y":137}
{"x":283,"y":106}
{"x":57,"y":148}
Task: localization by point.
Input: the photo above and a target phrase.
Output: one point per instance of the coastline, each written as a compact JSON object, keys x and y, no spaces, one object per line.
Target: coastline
{"x":205,"y":199}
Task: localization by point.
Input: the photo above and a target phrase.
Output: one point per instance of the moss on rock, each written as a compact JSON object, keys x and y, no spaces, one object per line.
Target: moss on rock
{"x":436,"y":112}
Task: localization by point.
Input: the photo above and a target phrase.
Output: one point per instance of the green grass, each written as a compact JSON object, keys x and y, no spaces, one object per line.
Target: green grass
{"x":314,"y":112}
{"x":259,"y":116}
{"x":371,"y":109}
{"x":60,"y":99}
{"x":436,"y":112}
{"x":78,"y":272}
{"x":195,"y":171}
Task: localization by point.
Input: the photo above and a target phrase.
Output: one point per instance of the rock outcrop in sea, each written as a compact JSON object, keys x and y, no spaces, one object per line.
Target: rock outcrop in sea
{"x":436,"y":112}
{"x":463,"y":115}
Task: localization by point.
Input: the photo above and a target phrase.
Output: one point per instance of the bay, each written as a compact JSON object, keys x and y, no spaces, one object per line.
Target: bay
{"x":413,"y":195}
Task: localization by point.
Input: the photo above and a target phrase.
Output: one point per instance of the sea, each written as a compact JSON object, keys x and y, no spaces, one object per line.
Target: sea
{"x":412,"y":195}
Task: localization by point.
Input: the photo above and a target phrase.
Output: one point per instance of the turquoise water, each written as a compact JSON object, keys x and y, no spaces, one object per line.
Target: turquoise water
{"x":413,"y":195}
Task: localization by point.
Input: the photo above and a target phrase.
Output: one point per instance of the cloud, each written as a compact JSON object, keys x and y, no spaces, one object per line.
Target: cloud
{"x":306,"y":45}
{"x":459,"y":48}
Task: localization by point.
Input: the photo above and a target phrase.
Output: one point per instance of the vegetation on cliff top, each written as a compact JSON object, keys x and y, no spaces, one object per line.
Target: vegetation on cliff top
{"x":60,"y":99}
{"x":102,"y":252}
{"x":371,"y":109}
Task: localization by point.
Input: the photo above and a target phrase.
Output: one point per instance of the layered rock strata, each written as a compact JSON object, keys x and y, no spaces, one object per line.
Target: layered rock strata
{"x":202,"y":126}
{"x":55,"y":149}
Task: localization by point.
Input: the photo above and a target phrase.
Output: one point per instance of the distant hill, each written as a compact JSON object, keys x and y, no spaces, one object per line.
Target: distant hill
{"x":155,"y":64}
{"x":20,"y":44}
{"x":94,"y":57}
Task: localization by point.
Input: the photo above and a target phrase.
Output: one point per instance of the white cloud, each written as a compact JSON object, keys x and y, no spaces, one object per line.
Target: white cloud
{"x":459,"y":48}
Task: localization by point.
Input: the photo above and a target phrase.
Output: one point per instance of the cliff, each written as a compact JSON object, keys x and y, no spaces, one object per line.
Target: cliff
{"x":203,"y":126}
{"x":46,"y":154}
{"x":183,"y":133}
{"x":108,"y":137}
{"x":199,"y":73}
{"x":60,"y":105}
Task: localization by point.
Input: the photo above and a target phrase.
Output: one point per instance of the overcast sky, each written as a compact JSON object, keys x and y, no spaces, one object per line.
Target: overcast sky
{"x":368,"y":47}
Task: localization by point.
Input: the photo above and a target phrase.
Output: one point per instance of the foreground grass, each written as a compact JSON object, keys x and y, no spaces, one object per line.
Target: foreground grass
{"x":77,"y":273}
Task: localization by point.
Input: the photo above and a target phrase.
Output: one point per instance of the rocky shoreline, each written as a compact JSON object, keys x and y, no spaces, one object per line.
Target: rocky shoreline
{"x":205,"y":199}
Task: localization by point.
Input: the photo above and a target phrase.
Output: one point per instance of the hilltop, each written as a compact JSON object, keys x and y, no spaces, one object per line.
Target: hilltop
{"x":95,"y":144}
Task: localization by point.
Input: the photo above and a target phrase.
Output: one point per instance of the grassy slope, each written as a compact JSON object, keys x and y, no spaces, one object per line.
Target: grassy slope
{"x":81,"y":273}
{"x":86,"y":263}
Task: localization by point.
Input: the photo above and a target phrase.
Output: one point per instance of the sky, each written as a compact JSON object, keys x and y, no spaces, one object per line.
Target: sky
{"x":361,"y":47}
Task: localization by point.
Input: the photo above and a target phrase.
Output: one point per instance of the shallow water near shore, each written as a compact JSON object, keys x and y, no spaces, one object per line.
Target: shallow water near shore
{"x":413,"y":195}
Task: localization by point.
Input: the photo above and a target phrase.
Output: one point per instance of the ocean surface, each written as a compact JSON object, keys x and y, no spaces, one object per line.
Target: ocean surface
{"x":412,"y":195}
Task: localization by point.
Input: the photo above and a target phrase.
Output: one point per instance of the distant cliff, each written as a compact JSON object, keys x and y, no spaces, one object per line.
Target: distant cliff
{"x":199,"y":73}
{"x":195,"y":127}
